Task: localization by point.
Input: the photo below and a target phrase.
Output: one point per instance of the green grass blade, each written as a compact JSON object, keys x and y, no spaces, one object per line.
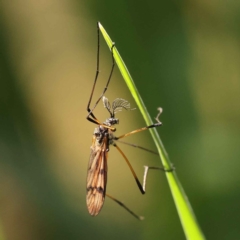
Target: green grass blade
{"x":188,"y":220}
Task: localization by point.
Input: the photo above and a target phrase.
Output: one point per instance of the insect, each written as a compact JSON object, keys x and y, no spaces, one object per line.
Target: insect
{"x":103,"y":138}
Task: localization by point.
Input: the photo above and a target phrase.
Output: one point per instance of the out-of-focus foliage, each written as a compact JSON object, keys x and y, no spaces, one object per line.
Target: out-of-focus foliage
{"x":184,"y":56}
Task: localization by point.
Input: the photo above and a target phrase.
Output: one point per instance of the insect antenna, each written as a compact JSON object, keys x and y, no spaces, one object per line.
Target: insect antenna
{"x":107,"y":105}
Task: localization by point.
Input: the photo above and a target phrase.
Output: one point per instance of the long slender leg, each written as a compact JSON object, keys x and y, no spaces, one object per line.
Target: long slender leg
{"x":93,"y":119}
{"x":137,"y":146}
{"x":146,"y":168}
{"x":125,"y":207}
{"x":158,"y":123}
{"x":96,"y":77}
{"x":106,"y":87}
{"x":140,"y":186}
{"x":131,"y":168}
{"x":138,"y":130}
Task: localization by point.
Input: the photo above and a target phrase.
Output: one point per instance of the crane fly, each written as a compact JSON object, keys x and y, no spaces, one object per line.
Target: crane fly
{"x":103,"y":137}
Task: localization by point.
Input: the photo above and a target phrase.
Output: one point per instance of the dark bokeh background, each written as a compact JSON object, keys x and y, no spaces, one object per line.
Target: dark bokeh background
{"x":183,"y":55}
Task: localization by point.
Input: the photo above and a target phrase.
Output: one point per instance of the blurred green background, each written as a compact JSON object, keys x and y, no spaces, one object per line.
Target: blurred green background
{"x":183,"y":55}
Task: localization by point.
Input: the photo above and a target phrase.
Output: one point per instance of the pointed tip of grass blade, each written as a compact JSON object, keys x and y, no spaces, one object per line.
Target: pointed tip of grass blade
{"x":99,"y":24}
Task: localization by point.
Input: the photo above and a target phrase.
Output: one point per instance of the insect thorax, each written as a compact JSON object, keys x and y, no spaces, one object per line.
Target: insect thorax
{"x":100,"y":132}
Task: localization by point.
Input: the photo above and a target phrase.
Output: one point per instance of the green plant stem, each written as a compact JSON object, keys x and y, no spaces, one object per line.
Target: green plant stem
{"x":188,"y":220}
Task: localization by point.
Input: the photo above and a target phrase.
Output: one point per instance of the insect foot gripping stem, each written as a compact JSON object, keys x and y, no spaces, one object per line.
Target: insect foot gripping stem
{"x":146,"y":168}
